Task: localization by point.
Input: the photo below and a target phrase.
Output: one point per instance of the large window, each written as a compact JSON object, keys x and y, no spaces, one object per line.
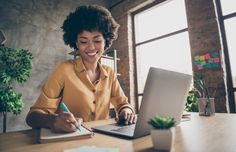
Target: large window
{"x":161,"y":40}
{"x":227,"y":18}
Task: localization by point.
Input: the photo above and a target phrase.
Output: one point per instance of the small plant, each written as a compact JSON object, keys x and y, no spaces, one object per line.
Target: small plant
{"x":200,"y":86}
{"x":200,"y":90}
{"x":192,"y":104}
{"x":161,"y":122}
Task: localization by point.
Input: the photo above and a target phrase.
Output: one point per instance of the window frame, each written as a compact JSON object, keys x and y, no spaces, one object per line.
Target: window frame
{"x":137,"y":94}
{"x":230,"y":88}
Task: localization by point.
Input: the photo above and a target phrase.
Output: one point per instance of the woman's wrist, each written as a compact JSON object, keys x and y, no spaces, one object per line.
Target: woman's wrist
{"x":51,"y":121}
{"x":124,"y":107}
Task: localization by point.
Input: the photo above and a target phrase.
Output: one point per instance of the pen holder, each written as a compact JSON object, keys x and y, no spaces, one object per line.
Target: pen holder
{"x":206,"y":106}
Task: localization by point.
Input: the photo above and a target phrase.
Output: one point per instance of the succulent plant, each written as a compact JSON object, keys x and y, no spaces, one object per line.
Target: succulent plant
{"x":162,"y":122}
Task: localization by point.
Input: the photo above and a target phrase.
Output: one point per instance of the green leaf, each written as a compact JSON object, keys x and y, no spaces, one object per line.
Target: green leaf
{"x":15,"y":65}
{"x":161,"y":122}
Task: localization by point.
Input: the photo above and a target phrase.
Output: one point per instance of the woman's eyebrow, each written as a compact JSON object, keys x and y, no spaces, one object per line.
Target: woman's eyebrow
{"x":95,"y":37}
{"x":82,"y":37}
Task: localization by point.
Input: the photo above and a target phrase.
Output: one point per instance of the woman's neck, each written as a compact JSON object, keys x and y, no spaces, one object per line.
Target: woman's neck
{"x":92,"y":70}
{"x":90,"y":66}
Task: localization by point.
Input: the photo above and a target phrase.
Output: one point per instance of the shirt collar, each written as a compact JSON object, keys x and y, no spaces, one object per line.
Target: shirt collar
{"x":80,"y":67}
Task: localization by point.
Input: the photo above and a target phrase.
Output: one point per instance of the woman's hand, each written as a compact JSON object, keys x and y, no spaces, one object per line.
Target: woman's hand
{"x":127,"y":117}
{"x":65,"y":122}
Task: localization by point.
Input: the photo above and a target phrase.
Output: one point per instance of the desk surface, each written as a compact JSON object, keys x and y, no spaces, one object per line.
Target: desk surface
{"x":200,"y":134}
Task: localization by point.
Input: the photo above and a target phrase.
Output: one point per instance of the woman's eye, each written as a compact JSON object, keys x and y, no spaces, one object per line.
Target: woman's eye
{"x":83,"y":42}
{"x":98,"y":41}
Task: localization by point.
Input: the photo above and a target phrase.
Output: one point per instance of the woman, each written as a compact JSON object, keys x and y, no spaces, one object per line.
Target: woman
{"x":85,"y":86}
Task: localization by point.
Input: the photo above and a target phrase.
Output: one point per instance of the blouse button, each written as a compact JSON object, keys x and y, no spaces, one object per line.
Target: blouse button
{"x":94,"y":90}
{"x":94,"y":102}
{"x":93,"y":114}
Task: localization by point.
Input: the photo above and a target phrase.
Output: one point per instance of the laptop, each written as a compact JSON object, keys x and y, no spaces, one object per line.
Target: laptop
{"x":165,"y":94}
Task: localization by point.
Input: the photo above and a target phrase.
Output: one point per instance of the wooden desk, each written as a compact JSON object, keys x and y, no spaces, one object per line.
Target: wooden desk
{"x":200,"y":134}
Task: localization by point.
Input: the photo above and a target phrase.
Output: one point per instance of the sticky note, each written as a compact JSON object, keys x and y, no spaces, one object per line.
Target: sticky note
{"x":215,"y":65}
{"x":215,"y":54}
{"x":207,"y":56}
{"x":216,"y":59}
{"x":201,"y":58}
{"x":207,"y":65}
{"x":203,"y":62}
{"x":197,"y":62}
{"x":196,"y":58}
{"x":92,"y":148}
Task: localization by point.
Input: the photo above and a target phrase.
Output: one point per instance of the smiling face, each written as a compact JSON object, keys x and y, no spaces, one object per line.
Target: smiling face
{"x":91,"y":46}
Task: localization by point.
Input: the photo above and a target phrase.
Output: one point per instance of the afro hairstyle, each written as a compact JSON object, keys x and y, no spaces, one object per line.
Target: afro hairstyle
{"x":89,"y":18}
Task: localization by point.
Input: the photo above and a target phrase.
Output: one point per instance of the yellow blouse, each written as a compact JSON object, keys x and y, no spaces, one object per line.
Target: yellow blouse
{"x":70,"y":83}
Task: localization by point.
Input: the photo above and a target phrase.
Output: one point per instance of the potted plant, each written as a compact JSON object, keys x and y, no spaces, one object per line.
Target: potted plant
{"x":206,"y":106}
{"x":192,"y":101}
{"x":15,"y":66}
{"x":162,"y":132}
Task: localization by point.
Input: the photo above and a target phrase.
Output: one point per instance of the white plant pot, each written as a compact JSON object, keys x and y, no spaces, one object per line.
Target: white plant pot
{"x":163,"y":139}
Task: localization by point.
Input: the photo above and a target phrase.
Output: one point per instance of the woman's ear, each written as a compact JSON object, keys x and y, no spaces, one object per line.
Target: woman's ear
{"x":77,"y":45}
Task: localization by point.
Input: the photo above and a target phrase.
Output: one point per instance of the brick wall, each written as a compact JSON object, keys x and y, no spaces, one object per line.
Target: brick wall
{"x":204,"y":37}
{"x":203,"y":34}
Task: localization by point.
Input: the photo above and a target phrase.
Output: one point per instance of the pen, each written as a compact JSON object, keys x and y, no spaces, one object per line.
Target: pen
{"x":64,"y":107}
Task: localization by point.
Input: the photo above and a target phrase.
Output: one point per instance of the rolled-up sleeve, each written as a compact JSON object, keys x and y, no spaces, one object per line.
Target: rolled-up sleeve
{"x":118,"y":98}
{"x":50,"y":98}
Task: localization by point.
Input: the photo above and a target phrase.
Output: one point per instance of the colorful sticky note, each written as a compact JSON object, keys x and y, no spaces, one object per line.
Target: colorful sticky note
{"x":207,"y":61}
{"x":216,"y":59}
{"x":197,"y":63}
{"x":215,"y":54}
{"x":207,"y":56}
{"x":215,"y":65}
{"x":207,"y":65}
{"x":196,"y":58}
{"x":201,"y":58}
{"x":203,"y":62}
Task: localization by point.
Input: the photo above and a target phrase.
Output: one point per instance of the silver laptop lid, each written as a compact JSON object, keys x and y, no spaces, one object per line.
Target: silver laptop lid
{"x":165,"y":93}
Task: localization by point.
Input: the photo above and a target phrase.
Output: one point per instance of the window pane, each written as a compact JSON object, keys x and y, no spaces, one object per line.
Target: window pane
{"x":230,"y":28}
{"x":160,"y":20}
{"x":228,"y":6}
{"x":139,"y":101}
{"x":172,"y":53}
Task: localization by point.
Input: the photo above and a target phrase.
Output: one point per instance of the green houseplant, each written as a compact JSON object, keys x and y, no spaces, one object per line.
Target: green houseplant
{"x":15,"y":66}
{"x":192,"y":98}
{"x":199,"y":90}
{"x":162,"y":132}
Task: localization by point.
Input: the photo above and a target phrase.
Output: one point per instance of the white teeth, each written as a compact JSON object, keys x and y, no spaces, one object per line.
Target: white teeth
{"x":92,"y":54}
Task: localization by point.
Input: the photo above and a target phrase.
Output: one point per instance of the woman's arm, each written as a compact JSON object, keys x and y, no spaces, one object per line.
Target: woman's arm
{"x":43,"y":112}
{"x":126,"y":114}
{"x":62,"y":122}
{"x":40,"y":120}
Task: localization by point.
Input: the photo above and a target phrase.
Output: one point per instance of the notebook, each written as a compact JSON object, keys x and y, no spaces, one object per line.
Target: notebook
{"x":165,"y":94}
{"x":46,"y":135}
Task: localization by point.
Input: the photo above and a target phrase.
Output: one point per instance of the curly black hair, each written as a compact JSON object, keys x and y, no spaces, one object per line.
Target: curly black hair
{"x":89,"y":18}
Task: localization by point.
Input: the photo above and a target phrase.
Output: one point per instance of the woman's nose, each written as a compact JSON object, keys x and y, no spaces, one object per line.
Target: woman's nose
{"x":91,"y":45}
